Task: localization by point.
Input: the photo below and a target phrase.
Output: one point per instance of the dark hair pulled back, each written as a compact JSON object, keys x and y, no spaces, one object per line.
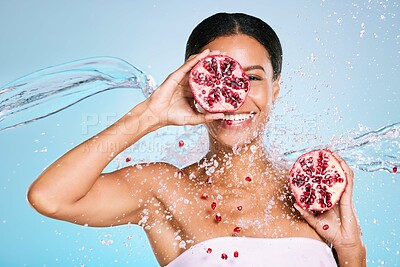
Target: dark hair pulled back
{"x":226,"y":24}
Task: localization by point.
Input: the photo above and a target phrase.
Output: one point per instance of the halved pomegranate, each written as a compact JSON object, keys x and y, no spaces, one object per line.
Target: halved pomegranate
{"x":317,"y":180}
{"x":219,"y":84}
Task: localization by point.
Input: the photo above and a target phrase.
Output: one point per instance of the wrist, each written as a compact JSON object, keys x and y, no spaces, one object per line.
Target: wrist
{"x":135,"y":124}
{"x":149,"y":117}
{"x":352,"y":255}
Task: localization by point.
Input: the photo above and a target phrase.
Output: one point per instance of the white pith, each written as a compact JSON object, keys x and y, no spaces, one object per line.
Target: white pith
{"x":239,"y":117}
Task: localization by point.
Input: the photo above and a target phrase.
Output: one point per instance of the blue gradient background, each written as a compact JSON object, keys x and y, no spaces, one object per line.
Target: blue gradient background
{"x":352,"y":83}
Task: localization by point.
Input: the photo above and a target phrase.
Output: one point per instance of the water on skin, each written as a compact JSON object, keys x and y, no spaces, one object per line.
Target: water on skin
{"x":54,"y":89}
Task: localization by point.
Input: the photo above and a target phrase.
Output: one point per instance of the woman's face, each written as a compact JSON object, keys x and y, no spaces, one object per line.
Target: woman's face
{"x":255,"y":61}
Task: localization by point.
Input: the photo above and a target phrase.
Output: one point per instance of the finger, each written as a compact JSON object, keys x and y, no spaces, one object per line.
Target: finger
{"x":347,"y":213}
{"x":203,"y":118}
{"x":177,"y":76}
{"x":349,"y":176}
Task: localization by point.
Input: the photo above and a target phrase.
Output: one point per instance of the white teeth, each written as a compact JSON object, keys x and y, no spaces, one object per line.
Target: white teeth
{"x":238,"y":117}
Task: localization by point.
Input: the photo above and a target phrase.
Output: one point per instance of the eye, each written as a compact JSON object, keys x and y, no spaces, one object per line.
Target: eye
{"x":254,"y":78}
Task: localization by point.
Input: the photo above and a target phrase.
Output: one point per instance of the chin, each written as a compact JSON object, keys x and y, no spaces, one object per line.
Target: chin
{"x":237,"y":131}
{"x":231,"y":139}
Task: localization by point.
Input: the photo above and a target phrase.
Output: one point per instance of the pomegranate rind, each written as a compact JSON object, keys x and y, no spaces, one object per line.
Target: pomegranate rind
{"x":219,"y":84}
{"x":317,"y":180}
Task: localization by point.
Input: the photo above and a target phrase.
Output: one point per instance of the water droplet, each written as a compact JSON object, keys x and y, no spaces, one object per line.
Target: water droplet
{"x":313,"y":57}
{"x":182,"y":244}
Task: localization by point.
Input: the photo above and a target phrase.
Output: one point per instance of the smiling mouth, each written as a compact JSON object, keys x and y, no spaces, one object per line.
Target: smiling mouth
{"x":238,"y":117}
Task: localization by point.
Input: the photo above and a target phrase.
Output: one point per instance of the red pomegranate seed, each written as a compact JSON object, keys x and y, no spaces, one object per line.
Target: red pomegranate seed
{"x":224,"y":256}
{"x":181,"y":143}
{"x":213,"y":205}
{"x":209,"y":250}
{"x":204,"y":196}
{"x":239,"y":208}
{"x":209,"y":180}
{"x":235,"y":254}
{"x":394,"y":169}
{"x":218,"y":217}
{"x":325,"y":227}
{"x":229,"y":122}
{"x":219,"y":83}
{"x":248,"y":179}
{"x":314,"y":183}
{"x":237,"y":229}
{"x":128,"y":159}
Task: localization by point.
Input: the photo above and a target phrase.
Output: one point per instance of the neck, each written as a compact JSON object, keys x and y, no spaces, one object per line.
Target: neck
{"x":242,"y":166}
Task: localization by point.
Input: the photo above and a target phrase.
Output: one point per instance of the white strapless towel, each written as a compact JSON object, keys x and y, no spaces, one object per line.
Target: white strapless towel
{"x":257,"y":252}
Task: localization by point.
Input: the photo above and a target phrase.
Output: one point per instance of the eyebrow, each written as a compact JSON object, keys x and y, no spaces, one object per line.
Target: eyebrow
{"x":254,"y":67}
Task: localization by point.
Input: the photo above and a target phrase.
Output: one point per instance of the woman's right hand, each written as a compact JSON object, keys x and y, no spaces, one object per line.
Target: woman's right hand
{"x":172,"y":103}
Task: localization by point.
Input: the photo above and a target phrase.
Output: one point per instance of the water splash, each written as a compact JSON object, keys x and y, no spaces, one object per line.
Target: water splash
{"x":53,"y":89}
{"x":50,"y":90}
{"x":372,"y":151}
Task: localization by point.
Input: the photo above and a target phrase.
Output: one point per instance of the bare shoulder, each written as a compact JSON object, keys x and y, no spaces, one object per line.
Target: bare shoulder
{"x":149,"y":176}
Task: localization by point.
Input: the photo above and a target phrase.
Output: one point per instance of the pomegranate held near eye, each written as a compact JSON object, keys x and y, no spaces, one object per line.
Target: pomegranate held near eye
{"x":219,"y":84}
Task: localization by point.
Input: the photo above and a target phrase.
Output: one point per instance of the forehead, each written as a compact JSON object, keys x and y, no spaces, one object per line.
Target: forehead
{"x":245,"y":49}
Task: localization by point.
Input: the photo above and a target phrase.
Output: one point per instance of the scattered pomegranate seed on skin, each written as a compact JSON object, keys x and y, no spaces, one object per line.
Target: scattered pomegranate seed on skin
{"x":248,"y":179}
{"x":209,"y":180}
{"x":239,"y":208}
{"x":204,"y":196}
{"x":181,"y":143}
{"x":128,"y":159}
{"x":394,"y":169}
{"x":229,"y":122}
{"x":218,"y":217}
{"x":237,"y":229}
{"x":235,"y":254}
{"x":213,"y":205}
{"x":325,"y":227}
{"x":180,"y":173}
{"x":209,"y":250}
{"x":224,"y":256}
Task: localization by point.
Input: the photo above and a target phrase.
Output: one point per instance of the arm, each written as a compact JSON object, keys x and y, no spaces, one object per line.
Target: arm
{"x":74,"y":189}
{"x":344,"y":231}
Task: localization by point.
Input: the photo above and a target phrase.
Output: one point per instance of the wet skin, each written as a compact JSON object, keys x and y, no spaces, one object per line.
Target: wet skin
{"x":167,"y":202}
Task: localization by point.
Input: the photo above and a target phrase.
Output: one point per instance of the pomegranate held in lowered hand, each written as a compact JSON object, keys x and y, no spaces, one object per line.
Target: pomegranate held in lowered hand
{"x":317,"y":180}
{"x":219,"y":84}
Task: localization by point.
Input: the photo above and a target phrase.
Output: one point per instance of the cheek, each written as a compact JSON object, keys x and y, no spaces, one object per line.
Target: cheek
{"x":262,"y":97}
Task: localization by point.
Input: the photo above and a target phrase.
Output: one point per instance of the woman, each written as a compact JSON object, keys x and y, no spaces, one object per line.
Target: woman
{"x":233,"y":207}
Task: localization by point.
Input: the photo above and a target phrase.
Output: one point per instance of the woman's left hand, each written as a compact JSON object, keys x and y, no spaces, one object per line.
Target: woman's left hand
{"x":339,"y":226}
